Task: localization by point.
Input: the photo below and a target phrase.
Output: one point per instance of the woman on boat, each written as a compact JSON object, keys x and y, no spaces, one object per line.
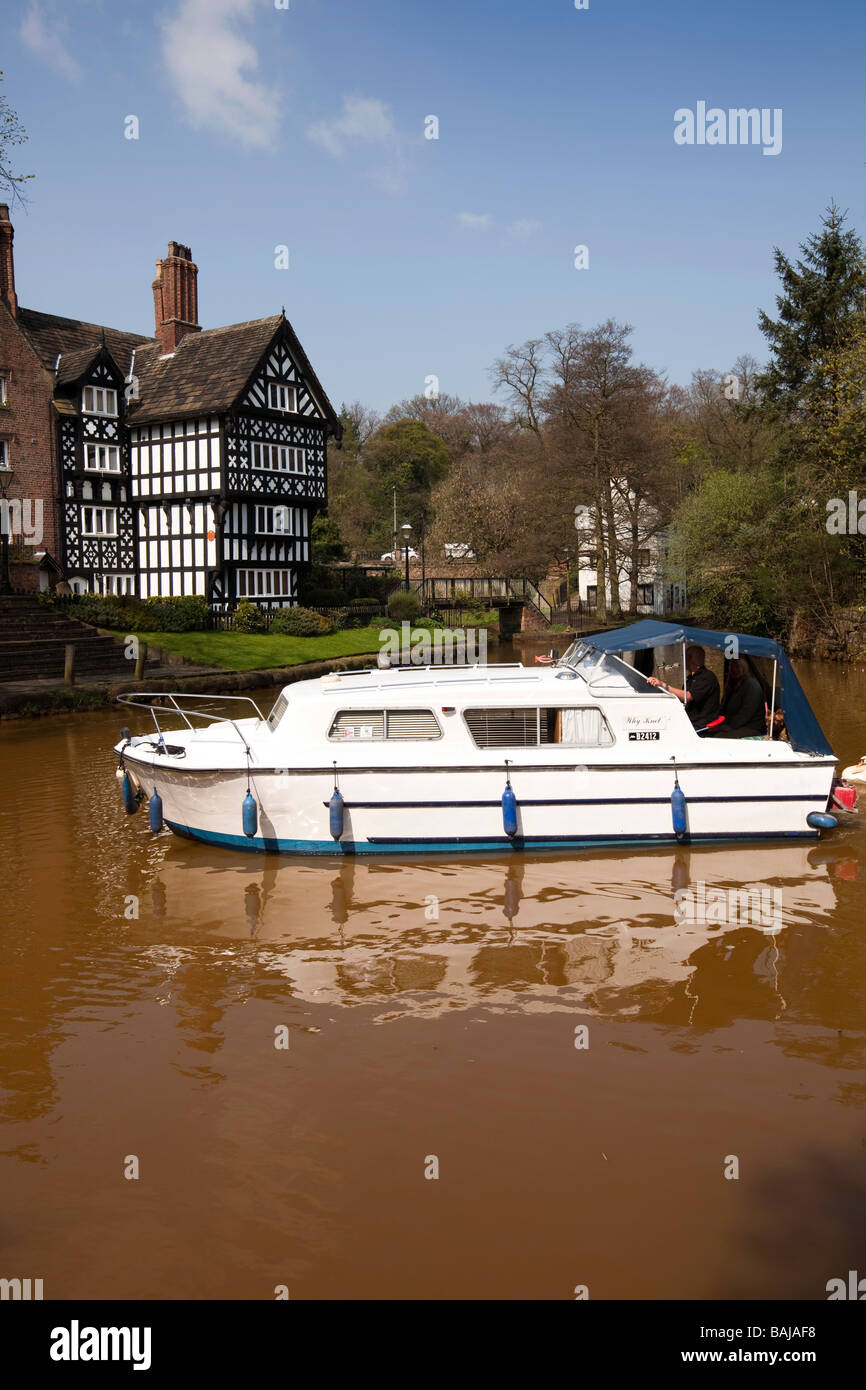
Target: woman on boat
{"x":743,"y":706}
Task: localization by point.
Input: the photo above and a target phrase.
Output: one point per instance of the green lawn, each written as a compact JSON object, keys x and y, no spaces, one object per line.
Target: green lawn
{"x":238,"y":651}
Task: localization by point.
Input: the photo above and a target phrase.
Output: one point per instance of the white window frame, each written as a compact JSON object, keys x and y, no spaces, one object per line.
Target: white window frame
{"x":342,"y":736}
{"x":120,"y":585}
{"x":100,"y":532}
{"x":248,"y":585}
{"x":4,"y":389}
{"x":266,"y":513}
{"x":4,"y":455}
{"x":283,"y":458}
{"x":283,"y":393}
{"x":112,"y":449}
{"x":96,"y":392}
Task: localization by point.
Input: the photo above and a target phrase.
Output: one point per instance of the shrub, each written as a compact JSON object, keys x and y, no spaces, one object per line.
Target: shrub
{"x":301,"y":622}
{"x":364,"y":602}
{"x":404,"y":605}
{"x":461,"y":598}
{"x":248,"y":617}
{"x":481,"y":617}
{"x":189,"y":613}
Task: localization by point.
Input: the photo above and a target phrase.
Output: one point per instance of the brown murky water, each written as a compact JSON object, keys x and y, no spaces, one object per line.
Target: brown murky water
{"x":145,"y":982}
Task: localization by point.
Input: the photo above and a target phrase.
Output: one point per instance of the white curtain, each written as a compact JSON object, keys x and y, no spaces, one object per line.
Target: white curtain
{"x":584,"y":728}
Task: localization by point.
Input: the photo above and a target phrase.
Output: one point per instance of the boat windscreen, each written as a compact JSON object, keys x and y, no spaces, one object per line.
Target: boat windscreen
{"x":600,"y":668}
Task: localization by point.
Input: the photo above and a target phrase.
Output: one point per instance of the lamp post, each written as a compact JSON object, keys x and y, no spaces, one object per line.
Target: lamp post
{"x":6,"y":475}
{"x":406,"y":529}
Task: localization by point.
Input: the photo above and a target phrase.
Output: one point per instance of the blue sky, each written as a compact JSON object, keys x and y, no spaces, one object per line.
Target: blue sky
{"x":409,"y":257}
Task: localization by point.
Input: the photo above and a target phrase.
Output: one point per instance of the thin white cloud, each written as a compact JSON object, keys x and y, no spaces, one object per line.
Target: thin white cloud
{"x":363,"y":120}
{"x":523,"y":230}
{"x":211,"y":67}
{"x":477,"y":221}
{"x":48,"y":41}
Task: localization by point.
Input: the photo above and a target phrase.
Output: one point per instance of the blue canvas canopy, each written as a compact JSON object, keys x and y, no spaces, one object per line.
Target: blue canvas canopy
{"x":804,"y":731}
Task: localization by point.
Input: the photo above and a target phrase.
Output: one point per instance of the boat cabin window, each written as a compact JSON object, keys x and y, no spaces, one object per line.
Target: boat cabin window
{"x":278,"y":711}
{"x":573,"y":726}
{"x":385,"y":724}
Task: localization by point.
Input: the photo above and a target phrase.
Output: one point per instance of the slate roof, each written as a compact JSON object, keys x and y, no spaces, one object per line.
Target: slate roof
{"x":73,"y":365}
{"x":207,"y":371}
{"x":204,"y":375}
{"x":50,"y":334}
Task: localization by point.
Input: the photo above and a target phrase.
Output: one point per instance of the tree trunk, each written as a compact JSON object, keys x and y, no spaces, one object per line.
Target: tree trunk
{"x":612,"y":551}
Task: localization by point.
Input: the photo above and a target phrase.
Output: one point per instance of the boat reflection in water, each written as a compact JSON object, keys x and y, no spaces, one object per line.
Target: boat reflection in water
{"x":636,"y":936}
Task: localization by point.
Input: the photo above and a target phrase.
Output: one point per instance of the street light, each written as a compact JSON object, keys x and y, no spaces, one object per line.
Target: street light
{"x":406,"y":529}
{"x":6,"y":476}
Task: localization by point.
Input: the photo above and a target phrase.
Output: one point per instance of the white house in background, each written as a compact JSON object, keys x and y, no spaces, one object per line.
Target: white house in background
{"x":658,"y":591}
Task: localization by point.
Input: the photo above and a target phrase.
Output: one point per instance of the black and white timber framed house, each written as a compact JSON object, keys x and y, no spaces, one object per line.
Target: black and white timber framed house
{"x":192,"y":462}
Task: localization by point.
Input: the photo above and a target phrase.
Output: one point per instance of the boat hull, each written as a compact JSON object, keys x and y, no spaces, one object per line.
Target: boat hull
{"x":412,"y":811}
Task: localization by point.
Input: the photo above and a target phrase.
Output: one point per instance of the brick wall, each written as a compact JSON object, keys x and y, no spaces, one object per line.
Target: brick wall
{"x":27,"y":425}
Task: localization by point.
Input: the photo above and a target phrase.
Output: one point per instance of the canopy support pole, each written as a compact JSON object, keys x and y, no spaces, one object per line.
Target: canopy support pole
{"x":685,"y":676}
{"x":773,"y":703}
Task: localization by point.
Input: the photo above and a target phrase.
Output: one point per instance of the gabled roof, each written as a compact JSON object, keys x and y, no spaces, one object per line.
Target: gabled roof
{"x":208,"y":371}
{"x":73,"y":365}
{"x":52,"y":336}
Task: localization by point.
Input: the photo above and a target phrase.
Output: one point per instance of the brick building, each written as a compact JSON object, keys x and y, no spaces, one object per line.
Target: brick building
{"x":190,"y":462}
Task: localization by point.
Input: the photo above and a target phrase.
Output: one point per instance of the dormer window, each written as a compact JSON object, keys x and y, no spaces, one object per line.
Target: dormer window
{"x":282,"y":397}
{"x":99,"y":400}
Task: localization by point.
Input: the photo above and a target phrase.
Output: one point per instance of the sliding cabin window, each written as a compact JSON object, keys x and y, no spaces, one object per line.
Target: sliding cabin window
{"x":395,"y":724}
{"x":528,"y":728}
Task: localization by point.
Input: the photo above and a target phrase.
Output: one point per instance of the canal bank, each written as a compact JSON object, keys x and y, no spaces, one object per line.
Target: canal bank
{"x":34,"y":699}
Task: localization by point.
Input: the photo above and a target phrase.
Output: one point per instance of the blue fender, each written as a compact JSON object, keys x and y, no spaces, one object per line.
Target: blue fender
{"x":509,"y":812}
{"x":131,"y":799}
{"x":336,"y":811}
{"x":250,"y":815}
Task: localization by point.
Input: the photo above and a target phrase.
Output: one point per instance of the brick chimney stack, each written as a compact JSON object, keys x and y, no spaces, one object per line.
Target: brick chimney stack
{"x":7,"y":262}
{"x":175,"y":297}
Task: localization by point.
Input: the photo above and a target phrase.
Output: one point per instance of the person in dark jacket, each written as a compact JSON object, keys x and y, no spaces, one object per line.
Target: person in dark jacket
{"x":701,"y":695}
{"x":744,"y":704}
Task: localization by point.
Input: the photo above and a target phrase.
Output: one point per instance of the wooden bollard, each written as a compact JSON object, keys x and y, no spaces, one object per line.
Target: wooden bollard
{"x":140,"y":661}
{"x":69,"y":665}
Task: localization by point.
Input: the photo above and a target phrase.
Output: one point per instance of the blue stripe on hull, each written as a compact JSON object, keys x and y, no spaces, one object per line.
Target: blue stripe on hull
{"x":463,"y":844}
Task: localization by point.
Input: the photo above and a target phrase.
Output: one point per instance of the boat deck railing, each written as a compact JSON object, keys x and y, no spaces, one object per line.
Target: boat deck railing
{"x":142,"y":699}
{"x":440,"y":669}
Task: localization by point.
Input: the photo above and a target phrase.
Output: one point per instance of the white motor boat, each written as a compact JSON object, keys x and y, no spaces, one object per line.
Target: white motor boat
{"x":416,"y":760}
{"x":856,"y":772}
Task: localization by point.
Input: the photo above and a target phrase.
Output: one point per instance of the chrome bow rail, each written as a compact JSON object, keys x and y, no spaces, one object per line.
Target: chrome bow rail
{"x":141,"y":699}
